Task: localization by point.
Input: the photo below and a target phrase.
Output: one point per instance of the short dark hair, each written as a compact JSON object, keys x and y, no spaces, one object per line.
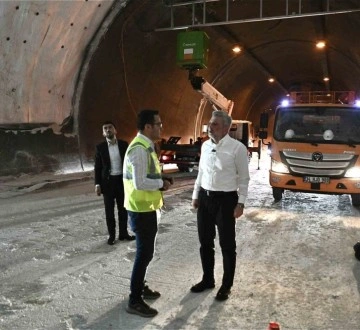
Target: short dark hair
{"x":108,"y":122}
{"x":146,"y":117}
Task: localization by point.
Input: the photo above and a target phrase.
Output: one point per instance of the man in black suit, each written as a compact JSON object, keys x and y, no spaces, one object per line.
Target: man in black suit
{"x":109,"y":158}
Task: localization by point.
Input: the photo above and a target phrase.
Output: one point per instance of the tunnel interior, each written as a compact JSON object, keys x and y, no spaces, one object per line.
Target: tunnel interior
{"x":77,"y":70}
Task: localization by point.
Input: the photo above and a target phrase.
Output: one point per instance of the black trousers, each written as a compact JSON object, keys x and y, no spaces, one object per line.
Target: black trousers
{"x":115,"y":193}
{"x":217,"y":210}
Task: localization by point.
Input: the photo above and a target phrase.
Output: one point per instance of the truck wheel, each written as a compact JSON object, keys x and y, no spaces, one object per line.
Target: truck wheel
{"x":355,"y":198}
{"x":185,"y":168}
{"x":277,"y":193}
{"x":182,"y":168}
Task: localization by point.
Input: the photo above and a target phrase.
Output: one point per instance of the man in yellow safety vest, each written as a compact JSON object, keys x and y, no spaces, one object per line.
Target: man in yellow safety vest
{"x":143,"y":197}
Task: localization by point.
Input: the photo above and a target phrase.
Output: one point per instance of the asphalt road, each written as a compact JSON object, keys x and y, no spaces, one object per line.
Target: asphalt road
{"x":295,"y":262}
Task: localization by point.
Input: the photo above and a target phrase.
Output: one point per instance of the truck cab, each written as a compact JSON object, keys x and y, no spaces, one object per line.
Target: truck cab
{"x":315,"y":145}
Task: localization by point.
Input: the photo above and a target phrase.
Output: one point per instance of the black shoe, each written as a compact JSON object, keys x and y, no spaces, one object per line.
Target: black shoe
{"x":357,"y":250}
{"x":150,"y":294}
{"x":141,"y":308}
{"x":201,"y":286}
{"x":111,"y":240}
{"x":126,"y":237}
{"x":223,"y":293}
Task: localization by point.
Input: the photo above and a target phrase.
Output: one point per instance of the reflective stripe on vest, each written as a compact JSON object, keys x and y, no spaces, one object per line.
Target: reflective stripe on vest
{"x":142,"y":200}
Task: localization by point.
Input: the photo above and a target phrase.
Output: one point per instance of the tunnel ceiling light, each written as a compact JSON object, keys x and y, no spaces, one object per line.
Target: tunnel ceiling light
{"x":271,"y":80}
{"x":326,"y":78}
{"x":320,"y":44}
{"x":236,"y":49}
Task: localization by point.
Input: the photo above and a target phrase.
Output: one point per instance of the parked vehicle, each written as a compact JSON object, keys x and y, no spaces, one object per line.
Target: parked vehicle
{"x":315,"y":145}
{"x":185,"y":156}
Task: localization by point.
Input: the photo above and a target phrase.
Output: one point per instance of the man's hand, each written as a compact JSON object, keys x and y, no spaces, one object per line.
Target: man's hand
{"x":98,"y":190}
{"x":168,"y":178}
{"x":238,"y":211}
{"x":166,"y":185}
{"x":195,"y":204}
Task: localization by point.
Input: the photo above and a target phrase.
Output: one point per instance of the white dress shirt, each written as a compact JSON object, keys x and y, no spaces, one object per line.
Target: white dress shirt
{"x":223,"y":167}
{"x":138,"y":159}
{"x":115,"y":159}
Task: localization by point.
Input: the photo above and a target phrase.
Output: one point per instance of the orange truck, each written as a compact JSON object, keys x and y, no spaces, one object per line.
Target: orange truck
{"x":315,"y":144}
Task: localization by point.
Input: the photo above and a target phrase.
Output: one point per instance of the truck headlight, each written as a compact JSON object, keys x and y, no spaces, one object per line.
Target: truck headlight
{"x":278,"y":167}
{"x":353,"y":172}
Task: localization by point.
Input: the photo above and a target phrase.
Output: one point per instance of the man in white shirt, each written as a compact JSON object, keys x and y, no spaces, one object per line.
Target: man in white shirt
{"x":219,"y":195}
{"x":109,"y":156}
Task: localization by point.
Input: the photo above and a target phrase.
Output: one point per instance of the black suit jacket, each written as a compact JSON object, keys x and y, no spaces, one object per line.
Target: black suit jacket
{"x":103,"y":164}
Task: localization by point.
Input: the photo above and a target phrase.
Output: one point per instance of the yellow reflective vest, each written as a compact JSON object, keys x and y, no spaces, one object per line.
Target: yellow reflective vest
{"x":142,"y":200}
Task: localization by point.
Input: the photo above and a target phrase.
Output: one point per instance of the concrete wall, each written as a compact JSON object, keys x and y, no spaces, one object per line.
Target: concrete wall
{"x":43,"y":50}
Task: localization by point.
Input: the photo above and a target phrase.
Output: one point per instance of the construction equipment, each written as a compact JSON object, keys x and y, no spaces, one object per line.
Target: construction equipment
{"x":192,"y":55}
{"x":218,"y":101}
{"x":315,"y":145}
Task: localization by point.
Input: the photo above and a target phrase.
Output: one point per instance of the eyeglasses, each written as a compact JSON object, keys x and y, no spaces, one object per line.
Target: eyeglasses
{"x":158,"y":124}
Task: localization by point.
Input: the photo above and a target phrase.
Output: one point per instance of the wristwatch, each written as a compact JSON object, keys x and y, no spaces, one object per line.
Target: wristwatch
{"x":241,"y":205}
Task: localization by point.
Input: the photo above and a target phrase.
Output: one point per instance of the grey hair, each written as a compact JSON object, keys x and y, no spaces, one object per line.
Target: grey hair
{"x":225,"y":117}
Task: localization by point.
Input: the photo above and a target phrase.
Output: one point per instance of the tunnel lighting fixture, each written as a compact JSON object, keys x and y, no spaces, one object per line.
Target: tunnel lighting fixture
{"x":236,"y":49}
{"x":271,"y":80}
{"x":320,"y":44}
{"x":326,"y":79}
{"x":357,"y":103}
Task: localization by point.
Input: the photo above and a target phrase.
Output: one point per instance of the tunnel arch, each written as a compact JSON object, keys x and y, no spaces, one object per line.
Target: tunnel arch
{"x":251,"y":96}
{"x":128,"y":65}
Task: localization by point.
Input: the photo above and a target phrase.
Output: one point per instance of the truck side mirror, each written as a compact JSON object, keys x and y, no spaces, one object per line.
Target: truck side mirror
{"x":264,"y":120}
{"x":263,"y":135}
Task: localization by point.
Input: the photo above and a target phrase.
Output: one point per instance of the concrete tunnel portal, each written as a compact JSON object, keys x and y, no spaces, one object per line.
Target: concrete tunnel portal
{"x":81,"y":63}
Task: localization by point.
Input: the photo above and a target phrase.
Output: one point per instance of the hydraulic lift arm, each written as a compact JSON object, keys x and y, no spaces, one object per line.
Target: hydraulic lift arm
{"x":218,"y":101}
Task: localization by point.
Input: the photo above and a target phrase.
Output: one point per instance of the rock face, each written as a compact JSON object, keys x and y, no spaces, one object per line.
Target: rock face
{"x":36,"y":152}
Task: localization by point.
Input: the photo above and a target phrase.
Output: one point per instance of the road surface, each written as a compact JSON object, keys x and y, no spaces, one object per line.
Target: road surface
{"x":295,"y":263}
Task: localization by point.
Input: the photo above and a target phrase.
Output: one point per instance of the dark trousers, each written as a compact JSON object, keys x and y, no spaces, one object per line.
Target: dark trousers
{"x":217,"y":210}
{"x":144,"y":225}
{"x":115,"y":192}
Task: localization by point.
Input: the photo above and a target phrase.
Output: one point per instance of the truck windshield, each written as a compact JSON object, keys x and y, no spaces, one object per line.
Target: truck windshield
{"x":318,"y":125}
